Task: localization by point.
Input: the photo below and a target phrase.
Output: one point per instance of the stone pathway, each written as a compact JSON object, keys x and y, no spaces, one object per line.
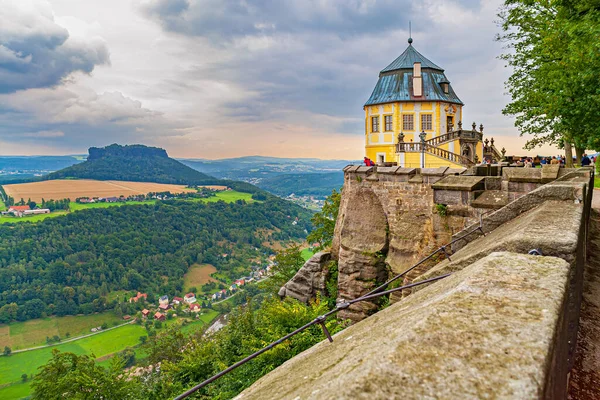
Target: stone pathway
{"x":585,"y":376}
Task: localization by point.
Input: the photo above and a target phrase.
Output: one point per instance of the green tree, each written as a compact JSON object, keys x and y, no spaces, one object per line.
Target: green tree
{"x":69,"y":376}
{"x":287,"y":263}
{"x":24,"y":378}
{"x":324,"y":221}
{"x":553,"y":48}
{"x":7,"y":351}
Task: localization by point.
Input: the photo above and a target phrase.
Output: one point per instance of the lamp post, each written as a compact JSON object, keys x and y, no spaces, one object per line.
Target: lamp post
{"x":422,"y":136}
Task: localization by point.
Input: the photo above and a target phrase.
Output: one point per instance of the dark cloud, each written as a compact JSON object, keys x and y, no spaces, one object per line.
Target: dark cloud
{"x":36,"y":52}
{"x":227,"y":19}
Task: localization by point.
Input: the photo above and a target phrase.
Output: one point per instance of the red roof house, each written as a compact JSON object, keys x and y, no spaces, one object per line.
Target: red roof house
{"x":137,"y":297}
{"x":18,"y":208}
{"x":195,"y":307}
{"x":177,"y":300}
{"x":164,"y":306}
{"x":159,"y":316}
{"x":145,"y":312}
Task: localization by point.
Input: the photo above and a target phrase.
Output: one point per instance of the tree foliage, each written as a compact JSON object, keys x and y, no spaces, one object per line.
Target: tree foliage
{"x":249,"y":329}
{"x":324,"y":221}
{"x":67,"y":265}
{"x":69,"y":376}
{"x":553,"y":48}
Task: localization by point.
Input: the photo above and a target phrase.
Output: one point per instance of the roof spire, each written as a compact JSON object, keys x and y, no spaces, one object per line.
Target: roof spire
{"x":410,"y":40}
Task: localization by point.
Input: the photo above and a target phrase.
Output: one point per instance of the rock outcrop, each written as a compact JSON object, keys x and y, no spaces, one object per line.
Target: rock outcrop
{"x":310,"y":279}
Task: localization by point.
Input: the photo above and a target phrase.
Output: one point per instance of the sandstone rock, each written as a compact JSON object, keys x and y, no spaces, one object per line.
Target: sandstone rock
{"x":310,"y":279}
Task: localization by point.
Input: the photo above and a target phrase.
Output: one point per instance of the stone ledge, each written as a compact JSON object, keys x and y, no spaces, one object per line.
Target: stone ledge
{"x":462,"y":183}
{"x":493,"y":330}
{"x":522,"y":175}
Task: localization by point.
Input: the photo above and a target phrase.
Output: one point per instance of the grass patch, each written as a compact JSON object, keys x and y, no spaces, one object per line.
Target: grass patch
{"x":306,"y":254}
{"x":16,"y":390}
{"x":32,"y":333}
{"x":32,"y":218}
{"x":109,"y":342}
{"x":198,"y":275}
{"x":228,"y":196}
{"x":597,"y":182}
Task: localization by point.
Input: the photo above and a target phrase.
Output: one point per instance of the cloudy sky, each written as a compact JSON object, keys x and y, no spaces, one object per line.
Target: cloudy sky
{"x":225,"y":78}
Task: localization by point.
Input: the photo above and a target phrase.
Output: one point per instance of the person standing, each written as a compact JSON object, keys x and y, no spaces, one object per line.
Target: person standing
{"x":585,"y":160}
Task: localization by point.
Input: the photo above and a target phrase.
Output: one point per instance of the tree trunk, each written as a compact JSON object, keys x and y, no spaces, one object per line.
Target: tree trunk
{"x":568,"y":155}
{"x":579,"y":153}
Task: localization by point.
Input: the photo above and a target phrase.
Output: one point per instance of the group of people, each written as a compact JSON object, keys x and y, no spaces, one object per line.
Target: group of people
{"x":554,"y":160}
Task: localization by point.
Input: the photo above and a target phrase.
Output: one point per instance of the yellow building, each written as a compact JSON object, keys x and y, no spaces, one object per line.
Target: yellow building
{"x":413,"y":118}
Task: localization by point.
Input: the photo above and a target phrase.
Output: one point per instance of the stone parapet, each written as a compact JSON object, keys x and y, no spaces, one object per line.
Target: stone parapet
{"x":495,"y":329}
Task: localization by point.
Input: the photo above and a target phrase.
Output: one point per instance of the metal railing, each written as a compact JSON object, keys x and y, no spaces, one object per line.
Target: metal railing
{"x":320,"y":320}
{"x":436,"y":151}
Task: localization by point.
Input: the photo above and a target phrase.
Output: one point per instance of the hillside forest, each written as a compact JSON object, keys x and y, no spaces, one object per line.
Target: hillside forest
{"x":68,"y":265}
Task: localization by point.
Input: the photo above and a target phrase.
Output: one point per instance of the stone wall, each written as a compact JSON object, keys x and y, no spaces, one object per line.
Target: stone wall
{"x":388,"y":221}
{"x":503,"y":325}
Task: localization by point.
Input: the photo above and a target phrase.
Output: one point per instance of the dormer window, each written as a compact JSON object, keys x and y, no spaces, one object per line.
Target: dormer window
{"x":417,"y":80}
{"x":445,"y":85}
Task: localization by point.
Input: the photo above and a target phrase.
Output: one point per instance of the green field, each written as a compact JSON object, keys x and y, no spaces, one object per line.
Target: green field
{"x":597,"y":182}
{"x":306,"y":254}
{"x":227,"y":196}
{"x":33,"y":218}
{"x":102,"y":346}
{"x":15,"y":391}
{"x":32,"y":333}
{"x":109,"y":342}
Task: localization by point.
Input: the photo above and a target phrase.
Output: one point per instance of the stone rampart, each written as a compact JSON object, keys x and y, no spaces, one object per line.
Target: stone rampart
{"x":387,"y":221}
{"x":502,"y":325}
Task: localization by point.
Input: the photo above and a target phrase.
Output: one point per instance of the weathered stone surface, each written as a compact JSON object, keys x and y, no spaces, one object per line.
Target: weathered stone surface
{"x":522,"y":174}
{"x":491,"y":199}
{"x":462,"y":183}
{"x":493,"y":183}
{"x":310,"y":279}
{"x":549,"y":172}
{"x":551,"y":191}
{"x":553,"y":227}
{"x":418,"y":178}
{"x":362,"y":248}
{"x":493,"y":330}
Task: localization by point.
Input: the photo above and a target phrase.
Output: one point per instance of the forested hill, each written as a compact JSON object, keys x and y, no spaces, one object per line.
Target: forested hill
{"x":134,"y":163}
{"x":69,"y":265}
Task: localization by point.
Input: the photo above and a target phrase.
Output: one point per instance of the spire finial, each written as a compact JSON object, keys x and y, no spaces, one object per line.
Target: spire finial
{"x":410,"y":40}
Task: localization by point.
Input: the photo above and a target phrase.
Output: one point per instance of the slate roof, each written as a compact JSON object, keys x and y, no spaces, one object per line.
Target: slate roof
{"x":395,"y":81}
{"x":408,"y":58}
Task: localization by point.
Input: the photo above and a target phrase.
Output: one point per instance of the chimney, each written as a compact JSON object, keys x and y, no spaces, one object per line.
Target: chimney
{"x":417,"y":80}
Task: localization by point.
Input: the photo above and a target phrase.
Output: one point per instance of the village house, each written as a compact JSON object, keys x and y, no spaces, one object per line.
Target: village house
{"x":18,"y":210}
{"x":138,"y":297}
{"x":159,"y":317}
{"x":195,"y":307}
{"x":233,"y":287}
{"x":145,"y":313}
{"x":240,"y":282}
{"x":163,"y":300}
{"x":164,"y":307}
{"x":190,"y":298}
{"x":177,"y":300}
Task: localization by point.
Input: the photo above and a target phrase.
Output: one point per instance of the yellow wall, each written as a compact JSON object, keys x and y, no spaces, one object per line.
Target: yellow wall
{"x":385,"y":141}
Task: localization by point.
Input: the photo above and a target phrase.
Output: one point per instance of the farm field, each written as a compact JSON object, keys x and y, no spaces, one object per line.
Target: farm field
{"x":32,"y":333}
{"x":31,"y":218}
{"x":198,"y":275}
{"x":12,"y":367}
{"x":74,"y":188}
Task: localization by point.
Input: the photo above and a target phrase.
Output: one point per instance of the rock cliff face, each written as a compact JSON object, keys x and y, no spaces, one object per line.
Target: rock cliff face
{"x":387,"y":221}
{"x":310,"y":279}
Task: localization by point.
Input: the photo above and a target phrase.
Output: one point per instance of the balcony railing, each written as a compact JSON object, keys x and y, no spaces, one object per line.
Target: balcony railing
{"x":436,"y":151}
